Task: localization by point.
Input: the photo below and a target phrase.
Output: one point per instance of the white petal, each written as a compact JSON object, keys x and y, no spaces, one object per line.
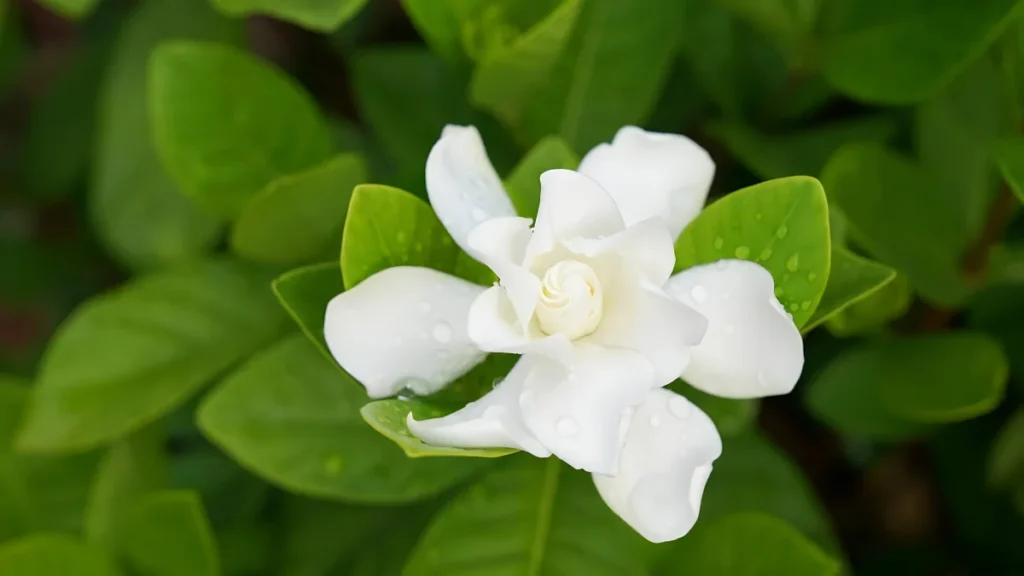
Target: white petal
{"x":501,"y":243}
{"x":401,"y":327}
{"x":665,"y":463}
{"x":576,"y":410}
{"x":493,"y":327}
{"x":652,"y":174}
{"x":641,"y":317}
{"x":493,"y":421}
{"x":462,"y":185}
{"x":646,"y":247}
{"x":752,"y":348}
{"x":571,"y":205}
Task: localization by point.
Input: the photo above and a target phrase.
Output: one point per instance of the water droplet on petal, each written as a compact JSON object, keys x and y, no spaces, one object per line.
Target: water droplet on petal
{"x":443,"y":333}
{"x":742,"y":252}
{"x":624,"y":423}
{"x":726,"y":295}
{"x":762,"y":380}
{"x":479,"y":215}
{"x":679,"y":407}
{"x":721,"y":265}
{"x":782,"y":232}
{"x":793,"y":264}
{"x":699,"y":294}
{"x":396,"y":341}
{"x":493,"y":412}
{"x":567,"y":427}
{"x":718,"y":243}
{"x":400,"y":237}
{"x":425,"y":307}
{"x":812,"y":277}
{"x":765,"y":254}
{"x":729,"y":329}
{"x":655,"y":421}
{"x":526,"y":398}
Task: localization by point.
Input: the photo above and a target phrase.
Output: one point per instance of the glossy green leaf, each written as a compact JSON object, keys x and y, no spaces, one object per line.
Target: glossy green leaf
{"x":439,"y":24}
{"x":1009,"y":156}
{"x":780,"y":224}
{"x":389,"y":418}
{"x":305,"y":292}
{"x":389,"y":227}
{"x":769,"y":546}
{"x":505,"y":79}
{"x":851,"y":279}
{"x":523,"y":183}
{"x":137,"y":210}
{"x":889,"y":208}
{"x":791,"y":23}
{"x":731,"y":416}
{"x":54,"y":555}
{"x":318,"y":535}
{"x":874,"y":311}
{"x":172,"y":332}
{"x":298,"y":218}
{"x":292,"y":417}
{"x":902,"y":51}
{"x":1006,"y":459}
{"x":71,"y":8}
{"x":610,"y":74}
{"x":528,"y":516}
{"x":167,"y":534}
{"x":320,"y":15}
{"x":226,"y":124}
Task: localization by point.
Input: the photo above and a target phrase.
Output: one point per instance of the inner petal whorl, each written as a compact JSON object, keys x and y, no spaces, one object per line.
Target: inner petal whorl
{"x":571,"y":300}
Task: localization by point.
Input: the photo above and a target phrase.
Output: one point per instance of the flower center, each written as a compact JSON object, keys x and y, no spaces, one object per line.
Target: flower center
{"x":570,"y":300}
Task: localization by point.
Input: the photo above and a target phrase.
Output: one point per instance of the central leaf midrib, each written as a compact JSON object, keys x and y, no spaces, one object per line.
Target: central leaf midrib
{"x":549,"y":490}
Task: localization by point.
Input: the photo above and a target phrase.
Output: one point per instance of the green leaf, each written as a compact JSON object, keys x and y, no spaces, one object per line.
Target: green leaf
{"x":167,"y":534}
{"x":890,"y":210}
{"x":894,"y":389}
{"x":902,"y":51}
{"x":71,"y":8}
{"x":505,"y":79}
{"x":319,"y":15}
{"x":389,"y":227}
{"x":226,"y":124}
{"x":780,"y":224}
{"x":292,"y":417}
{"x":53,"y":555}
{"x":872,"y":312}
{"x":1009,"y":156}
{"x":138,"y":212}
{"x":801,"y":153}
{"x":389,"y":418}
{"x":851,"y":279}
{"x":247,"y":550}
{"x":299,"y":218}
{"x":523,"y":183}
{"x":528,"y":516}
{"x":1006,"y":459}
{"x":131,"y":468}
{"x":172,"y":332}
{"x":439,"y":25}
{"x":999,"y":311}
{"x":231,"y":495}
{"x":769,"y":546}
{"x":319,"y":534}
{"x":610,"y":74}
{"x":305,"y":292}
{"x":731,"y":416}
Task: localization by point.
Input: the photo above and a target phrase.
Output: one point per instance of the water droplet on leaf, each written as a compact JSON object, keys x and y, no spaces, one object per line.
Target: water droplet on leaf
{"x":793,"y":264}
{"x":765,"y":254}
{"x":782,"y":232}
{"x":718,"y":243}
{"x":742,"y":252}
{"x":812,"y":277}
{"x":333,"y":465}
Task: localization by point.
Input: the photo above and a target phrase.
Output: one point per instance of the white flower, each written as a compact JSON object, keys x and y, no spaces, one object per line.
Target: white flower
{"x":586,"y":296}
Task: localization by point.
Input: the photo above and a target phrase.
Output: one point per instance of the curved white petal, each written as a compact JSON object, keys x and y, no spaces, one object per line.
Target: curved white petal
{"x":401,"y":327}
{"x":665,"y":463}
{"x":575,"y":410}
{"x":652,"y":174}
{"x":571,"y":205}
{"x":493,"y":327}
{"x":501,"y":243}
{"x":752,"y":348}
{"x":641,"y":317}
{"x":646,"y":247}
{"x":490,"y":422}
{"x":462,"y":185}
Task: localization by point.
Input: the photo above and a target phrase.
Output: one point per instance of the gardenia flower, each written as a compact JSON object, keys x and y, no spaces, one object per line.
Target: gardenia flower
{"x":587,"y":298}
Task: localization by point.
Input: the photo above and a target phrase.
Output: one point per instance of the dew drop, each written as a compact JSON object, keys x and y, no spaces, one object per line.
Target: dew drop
{"x":567,"y":427}
{"x":793,"y":306}
{"x":493,"y":412}
{"x":762,"y":381}
{"x":400,"y":237}
{"x":526,"y":398}
{"x":729,"y":329}
{"x":742,"y":252}
{"x":779,"y":291}
{"x":418,"y":247}
{"x":699,"y":294}
{"x":782,"y":232}
{"x":333,"y":465}
{"x":479,"y":215}
{"x":446,"y":240}
{"x":812,"y":277}
{"x":758,"y":216}
{"x":655,"y":421}
{"x":721,"y":265}
{"x":718,"y":243}
{"x":793,"y":264}
{"x":679,"y":407}
{"x":425,"y":307}
{"x":805,"y":305}
{"x":765,"y":254}
{"x":443,"y":333}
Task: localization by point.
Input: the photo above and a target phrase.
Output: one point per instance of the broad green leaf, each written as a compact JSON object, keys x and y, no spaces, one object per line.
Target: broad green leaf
{"x":872,"y":312}
{"x":231,"y":495}
{"x":896,"y":388}
{"x":389,"y":227}
{"x":305,"y":292}
{"x":790,"y":22}
{"x":37,"y":492}
{"x":610,"y":74}
{"x":131,"y":468}
{"x":505,"y":79}
{"x":753,"y":475}
{"x":1009,"y":156}
{"x":389,"y":418}
{"x":388,"y":555}
{"x":851,"y":279}
{"x":801,"y":153}
{"x":54,"y":555}
{"x":528,"y":516}
{"x":292,"y":417}
{"x":780,"y":224}
{"x":137,"y":210}
{"x":247,"y":549}
{"x":955,"y":134}
{"x":172,"y":332}
{"x":298,"y":218}
{"x":439,"y":24}
{"x":890,"y":210}
{"x":167,"y":534}
{"x":1006,"y":459}
{"x":903,"y":51}
{"x":523,"y":183}
{"x":731,"y":416}
{"x":226,"y":124}
{"x":999,"y":311}
{"x":319,"y":15}
{"x":71,"y":8}
{"x":769,"y":546}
